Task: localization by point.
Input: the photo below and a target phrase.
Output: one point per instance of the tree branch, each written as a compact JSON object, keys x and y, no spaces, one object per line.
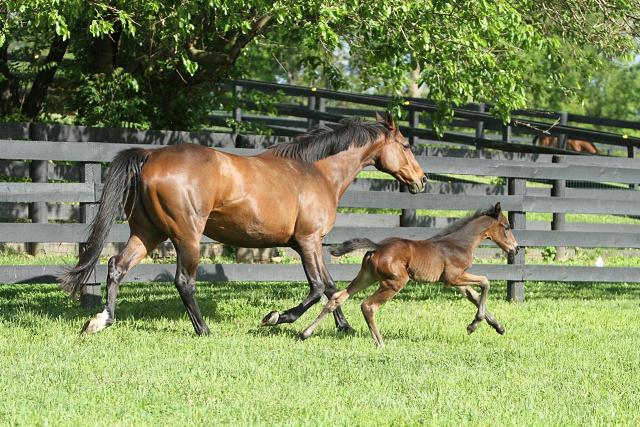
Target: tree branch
{"x":213,"y":62}
{"x":38,"y":93}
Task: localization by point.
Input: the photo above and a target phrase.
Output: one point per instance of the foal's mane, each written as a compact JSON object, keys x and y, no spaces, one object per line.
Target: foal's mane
{"x":461,"y":223}
{"x":323,"y":142}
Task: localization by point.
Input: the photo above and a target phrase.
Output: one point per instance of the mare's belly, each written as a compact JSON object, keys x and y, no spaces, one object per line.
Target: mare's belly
{"x":250,"y":227}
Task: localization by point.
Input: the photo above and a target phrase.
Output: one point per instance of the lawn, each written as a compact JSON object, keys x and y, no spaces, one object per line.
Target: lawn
{"x":570,"y":356}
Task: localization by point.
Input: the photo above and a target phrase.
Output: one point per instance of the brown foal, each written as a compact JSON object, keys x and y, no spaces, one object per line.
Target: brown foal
{"x":444,"y":257}
{"x":286,"y":196}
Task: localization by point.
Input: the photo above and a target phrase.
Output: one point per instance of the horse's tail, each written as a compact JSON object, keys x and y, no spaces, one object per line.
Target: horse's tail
{"x":123,"y":174}
{"x":352,"y":245}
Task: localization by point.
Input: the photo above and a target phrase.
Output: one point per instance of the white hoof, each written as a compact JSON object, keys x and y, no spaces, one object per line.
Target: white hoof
{"x":96,"y":323}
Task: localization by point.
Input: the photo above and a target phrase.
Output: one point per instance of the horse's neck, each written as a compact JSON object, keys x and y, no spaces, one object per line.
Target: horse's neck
{"x":469,"y":237}
{"x":341,"y":169}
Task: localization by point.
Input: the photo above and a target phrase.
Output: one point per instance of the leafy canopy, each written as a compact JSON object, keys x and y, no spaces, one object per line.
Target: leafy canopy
{"x":167,"y":53}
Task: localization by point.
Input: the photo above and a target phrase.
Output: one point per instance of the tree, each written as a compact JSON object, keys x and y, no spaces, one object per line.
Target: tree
{"x":164,"y":55}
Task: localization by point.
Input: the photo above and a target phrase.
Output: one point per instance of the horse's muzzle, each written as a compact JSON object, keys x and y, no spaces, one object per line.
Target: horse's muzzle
{"x":416,"y":188}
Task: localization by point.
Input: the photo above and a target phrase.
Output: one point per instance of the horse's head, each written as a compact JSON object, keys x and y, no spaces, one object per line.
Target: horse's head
{"x":500,"y":231}
{"x":396,"y":158}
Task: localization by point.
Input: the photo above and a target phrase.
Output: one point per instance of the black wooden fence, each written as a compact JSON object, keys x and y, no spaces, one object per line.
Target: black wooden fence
{"x":478,"y":127}
{"x":515,"y":196}
{"x":481,"y":146}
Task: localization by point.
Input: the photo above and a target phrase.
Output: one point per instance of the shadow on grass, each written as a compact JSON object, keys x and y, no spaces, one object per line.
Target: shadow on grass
{"x":221,"y":302}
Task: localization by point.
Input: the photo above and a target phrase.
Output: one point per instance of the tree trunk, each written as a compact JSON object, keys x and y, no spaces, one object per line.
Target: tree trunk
{"x":38,"y":93}
{"x":7,"y":99}
{"x":104,"y":52}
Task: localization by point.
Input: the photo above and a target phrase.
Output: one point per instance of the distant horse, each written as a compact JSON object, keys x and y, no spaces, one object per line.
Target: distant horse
{"x":577,"y":145}
{"x":286,"y":196}
{"x":444,"y":257}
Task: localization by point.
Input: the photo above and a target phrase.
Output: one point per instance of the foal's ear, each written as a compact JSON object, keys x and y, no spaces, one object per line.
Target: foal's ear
{"x":497,"y":210}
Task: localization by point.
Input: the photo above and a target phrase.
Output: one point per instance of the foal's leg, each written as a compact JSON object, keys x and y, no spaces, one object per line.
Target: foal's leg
{"x":471,"y":279}
{"x":310,"y":251}
{"x":135,"y":250}
{"x":386,"y":291}
{"x":188,"y":259}
{"x":362,"y":281}
{"x":474,"y":297}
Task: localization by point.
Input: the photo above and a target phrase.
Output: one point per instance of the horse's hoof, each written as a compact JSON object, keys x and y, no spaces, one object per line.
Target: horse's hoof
{"x":95,"y":324}
{"x":471,"y":328}
{"x":500,"y":330}
{"x":270,"y":319}
{"x":347,"y":329}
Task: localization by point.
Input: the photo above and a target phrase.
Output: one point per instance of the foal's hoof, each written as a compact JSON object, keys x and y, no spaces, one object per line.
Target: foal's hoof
{"x":270,"y":319}
{"x":471,"y":328}
{"x":303,"y":335}
{"x":500,"y":330}
{"x":95,"y":324}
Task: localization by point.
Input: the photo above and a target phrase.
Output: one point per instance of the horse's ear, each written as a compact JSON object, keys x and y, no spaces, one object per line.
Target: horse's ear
{"x":388,"y":121}
{"x":497,"y":210}
{"x":379,"y":118}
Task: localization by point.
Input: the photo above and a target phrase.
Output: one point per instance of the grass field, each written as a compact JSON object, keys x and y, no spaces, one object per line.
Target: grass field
{"x":570,"y":356}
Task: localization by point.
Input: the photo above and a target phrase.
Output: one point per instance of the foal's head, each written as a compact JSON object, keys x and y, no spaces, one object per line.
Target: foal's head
{"x":396,"y":158}
{"x":500,"y":231}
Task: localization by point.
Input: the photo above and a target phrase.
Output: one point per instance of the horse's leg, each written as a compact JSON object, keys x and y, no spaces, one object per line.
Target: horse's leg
{"x":386,"y":291}
{"x":311,"y":254}
{"x":329,"y":291}
{"x":471,"y":279}
{"x":362,"y":281}
{"x":135,"y":250}
{"x":187,"y":266}
{"x":474,"y":297}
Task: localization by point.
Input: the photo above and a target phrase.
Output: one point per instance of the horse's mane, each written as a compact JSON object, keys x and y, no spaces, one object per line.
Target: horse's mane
{"x":459,"y":224}
{"x":323,"y":142}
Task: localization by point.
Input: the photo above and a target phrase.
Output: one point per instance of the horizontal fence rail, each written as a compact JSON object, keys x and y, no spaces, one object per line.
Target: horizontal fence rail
{"x":294,"y":273}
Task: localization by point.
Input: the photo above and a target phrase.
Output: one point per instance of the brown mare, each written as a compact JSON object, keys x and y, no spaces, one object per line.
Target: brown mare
{"x":444,"y":257}
{"x":286,"y":196}
{"x":577,"y":145}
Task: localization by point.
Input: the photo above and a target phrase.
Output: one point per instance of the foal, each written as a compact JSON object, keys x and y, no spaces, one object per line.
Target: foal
{"x":444,"y":257}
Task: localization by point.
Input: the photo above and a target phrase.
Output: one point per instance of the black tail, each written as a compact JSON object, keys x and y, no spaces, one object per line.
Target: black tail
{"x":123,"y":172}
{"x":352,"y":245}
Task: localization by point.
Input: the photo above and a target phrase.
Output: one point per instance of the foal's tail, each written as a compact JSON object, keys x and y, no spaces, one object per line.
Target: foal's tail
{"x":352,"y":245}
{"x":123,"y":174}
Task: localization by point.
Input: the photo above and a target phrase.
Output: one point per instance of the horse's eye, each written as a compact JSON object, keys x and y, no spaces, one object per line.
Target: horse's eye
{"x":406,"y":146}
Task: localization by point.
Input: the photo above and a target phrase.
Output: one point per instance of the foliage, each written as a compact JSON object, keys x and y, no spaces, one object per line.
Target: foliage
{"x":175,"y":50}
{"x":111,"y":100}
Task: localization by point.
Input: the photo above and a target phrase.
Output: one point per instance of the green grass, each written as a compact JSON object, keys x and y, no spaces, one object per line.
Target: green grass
{"x":570,"y":357}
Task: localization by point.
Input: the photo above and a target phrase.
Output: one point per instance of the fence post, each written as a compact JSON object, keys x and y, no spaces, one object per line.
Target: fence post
{"x":90,"y":173}
{"x":321,"y":107}
{"x":562,"y":139}
{"x":518,"y":221}
{"x":311,"y":106}
{"x":631,"y":153}
{"x":408,"y":217}
{"x":481,"y":108}
{"x":558,"y":223}
{"x":414,"y":122}
{"x":38,"y":171}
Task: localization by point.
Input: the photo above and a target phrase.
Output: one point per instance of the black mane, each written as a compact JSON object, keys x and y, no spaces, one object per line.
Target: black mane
{"x":457,"y":225}
{"x":324,"y":142}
